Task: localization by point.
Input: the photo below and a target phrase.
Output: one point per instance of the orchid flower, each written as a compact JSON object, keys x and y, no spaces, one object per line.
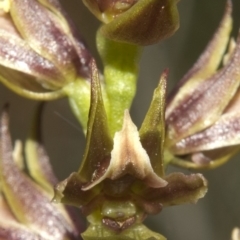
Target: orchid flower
{"x":202,"y":114}
{"x":122,"y":180}
{"x":45,"y":55}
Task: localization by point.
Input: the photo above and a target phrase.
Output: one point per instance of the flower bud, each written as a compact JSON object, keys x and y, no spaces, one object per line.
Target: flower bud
{"x":140,"y":22}
{"x":40,"y":50}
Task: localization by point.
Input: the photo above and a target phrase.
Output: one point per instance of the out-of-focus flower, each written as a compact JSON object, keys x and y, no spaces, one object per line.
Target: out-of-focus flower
{"x":202,"y":115}
{"x":40,"y":50}
{"x":141,"y":22}
{"x":235,"y":234}
{"x":121,"y":181}
{"x":27,"y":212}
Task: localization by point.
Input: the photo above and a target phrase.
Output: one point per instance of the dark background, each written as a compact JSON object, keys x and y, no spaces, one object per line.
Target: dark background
{"x":214,"y":216}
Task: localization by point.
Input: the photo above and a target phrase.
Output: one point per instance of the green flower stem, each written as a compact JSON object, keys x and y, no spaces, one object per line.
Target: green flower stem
{"x":120,"y":74}
{"x":78,"y":93}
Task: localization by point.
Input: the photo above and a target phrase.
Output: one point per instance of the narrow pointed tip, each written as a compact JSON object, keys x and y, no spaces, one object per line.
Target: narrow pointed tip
{"x":165,"y":73}
{"x":94,"y":69}
{"x":163,"y":82}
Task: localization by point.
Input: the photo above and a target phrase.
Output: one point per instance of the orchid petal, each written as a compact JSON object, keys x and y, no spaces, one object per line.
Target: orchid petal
{"x":99,"y":142}
{"x":97,"y":154}
{"x":84,"y":55}
{"x":225,"y":132}
{"x":204,"y":105}
{"x":207,"y":63}
{"x":152,"y":131}
{"x":16,"y":54}
{"x":48,"y":39}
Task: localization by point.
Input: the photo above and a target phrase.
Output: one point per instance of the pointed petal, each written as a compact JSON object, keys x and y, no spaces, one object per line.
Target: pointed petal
{"x":84,"y":55}
{"x":45,"y":35}
{"x":204,"y":105}
{"x":97,"y":153}
{"x":207,"y":63}
{"x":129,"y":157}
{"x":31,"y":206}
{"x":225,"y":132}
{"x":99,"y":143}
{"x":152,"y":131}
{"x":180,"y":189}
{"x":17,"y":55}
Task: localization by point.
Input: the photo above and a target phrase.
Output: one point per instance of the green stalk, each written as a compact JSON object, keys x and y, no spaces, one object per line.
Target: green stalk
{"x":120,"y":62}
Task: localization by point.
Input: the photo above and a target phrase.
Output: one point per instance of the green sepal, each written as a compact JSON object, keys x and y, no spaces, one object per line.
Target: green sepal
{"x":99,"y":143}
{"x":152,"y":131}
{"x":120,"y":74}
{"x":147,"y":22}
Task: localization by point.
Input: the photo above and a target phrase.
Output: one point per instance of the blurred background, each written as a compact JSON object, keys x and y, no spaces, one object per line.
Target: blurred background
{"x":215,"y":215}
